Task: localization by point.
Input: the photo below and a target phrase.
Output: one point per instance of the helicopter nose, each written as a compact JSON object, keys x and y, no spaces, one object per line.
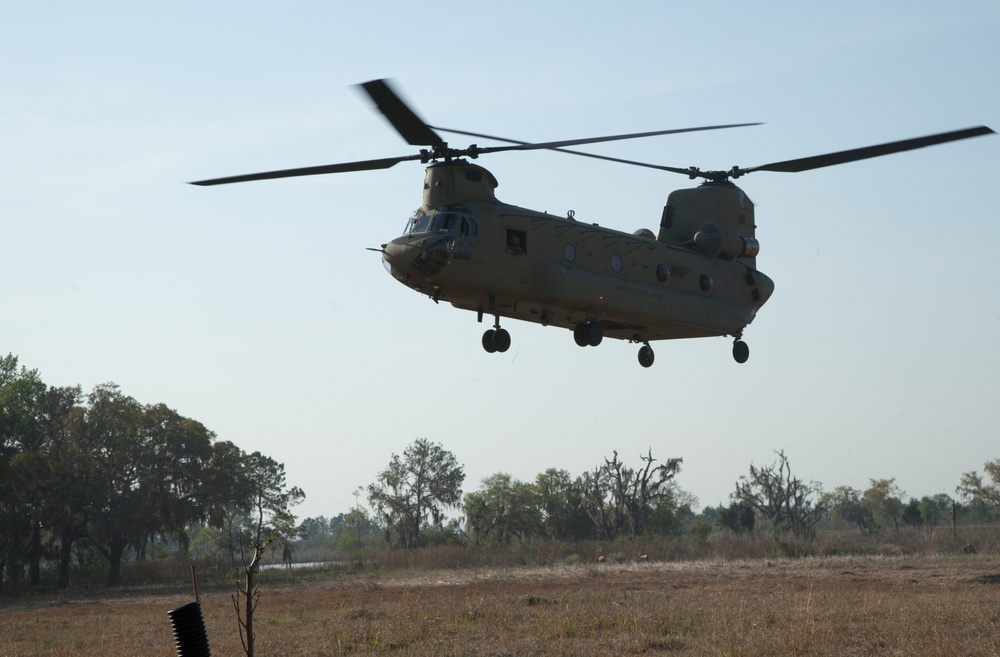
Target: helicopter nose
{"x":397,"y":256}
{"x":393,"y":253}
{"x":423,"y":256}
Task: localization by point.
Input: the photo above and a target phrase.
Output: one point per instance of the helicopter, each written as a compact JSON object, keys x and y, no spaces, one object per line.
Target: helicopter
{"x":695,"y":277}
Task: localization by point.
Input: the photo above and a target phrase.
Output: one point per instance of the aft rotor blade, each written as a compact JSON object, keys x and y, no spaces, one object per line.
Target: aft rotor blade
{"x":365,"y":165}
{"x":554,"y":145}
{"x":842,"y":157}
{"x":406,"y":122}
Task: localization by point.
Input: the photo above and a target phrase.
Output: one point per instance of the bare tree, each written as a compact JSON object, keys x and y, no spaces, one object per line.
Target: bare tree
{"x":785,"y":500}
{"x":618,"y":499}
{"x":248,"y":592}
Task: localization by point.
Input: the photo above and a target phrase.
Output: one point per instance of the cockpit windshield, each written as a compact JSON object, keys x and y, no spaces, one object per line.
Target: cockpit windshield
{"x":451,"y":219}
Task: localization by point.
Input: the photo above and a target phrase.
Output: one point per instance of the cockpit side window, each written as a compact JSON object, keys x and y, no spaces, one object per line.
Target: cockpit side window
{"x":450,"y":219}
{"x":469,"y":227}
{"x":443,"y":223}
{"x":418,"y":223}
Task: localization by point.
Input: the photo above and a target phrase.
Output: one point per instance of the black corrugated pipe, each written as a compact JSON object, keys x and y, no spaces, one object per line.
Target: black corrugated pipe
{"x":189,"y":631}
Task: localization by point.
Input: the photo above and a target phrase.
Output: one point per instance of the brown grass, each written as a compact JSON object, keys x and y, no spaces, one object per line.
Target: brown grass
{"x":875,"y":605}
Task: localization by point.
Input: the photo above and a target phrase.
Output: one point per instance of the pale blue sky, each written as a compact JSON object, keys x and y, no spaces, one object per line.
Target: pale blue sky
{"x":255,"y":309}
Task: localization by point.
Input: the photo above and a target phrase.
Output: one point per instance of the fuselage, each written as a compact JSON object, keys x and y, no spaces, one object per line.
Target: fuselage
{"x":465,"y":247}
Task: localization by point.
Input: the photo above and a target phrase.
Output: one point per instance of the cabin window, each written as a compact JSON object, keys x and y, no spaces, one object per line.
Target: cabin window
{"x":616,"y":263}
{"x":662,"y":273}
{"x":517,"y":242}
{"x":569,"y":252}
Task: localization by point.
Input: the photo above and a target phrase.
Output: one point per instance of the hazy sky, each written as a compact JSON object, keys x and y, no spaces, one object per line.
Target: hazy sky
{"x":256,"y":309}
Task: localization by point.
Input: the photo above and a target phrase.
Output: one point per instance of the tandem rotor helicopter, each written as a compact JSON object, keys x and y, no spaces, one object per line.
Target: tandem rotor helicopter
{"x":696,"y":277}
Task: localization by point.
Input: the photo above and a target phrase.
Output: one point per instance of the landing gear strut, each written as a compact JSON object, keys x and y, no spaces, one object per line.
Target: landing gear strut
{"x":588,"y":334}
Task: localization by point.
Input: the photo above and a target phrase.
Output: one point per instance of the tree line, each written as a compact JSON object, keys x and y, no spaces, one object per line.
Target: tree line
{"x":791,"y":505}
{"x":613,"y":501}
{"x":102,"y":476}
{"x":100,"y":473}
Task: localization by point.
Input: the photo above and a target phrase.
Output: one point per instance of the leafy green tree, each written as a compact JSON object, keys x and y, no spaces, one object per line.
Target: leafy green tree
{"x":246,"y":498}
{"x":111,"y":433}
{"x":19,"y":389}
{"x":980,"y":490}
{"x":21,"y":456}
{"x":314,"y":528}
{"x":68,"y":507}
{"x":503,"y":510}
{"x":911,"y":514}
{"x":177,"y":451}
{"x":935,"y":510}
{"x":357,"y":531}
{"x":737,"y":517}
{"x":66,"y":471}
{"x":119,"y":474}
{"x":412,"y":493}
{"x":150,"y":462}
{"x":448,"y":533}
{"x":884,"y":500}
{"x":271,"y":499}
{"x":846,"y":503}
{"x":673,"y":513}
{"x":560,"y":502}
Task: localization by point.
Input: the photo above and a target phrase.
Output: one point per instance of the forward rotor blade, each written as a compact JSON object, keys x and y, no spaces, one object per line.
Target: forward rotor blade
{"x":406,"y":122}
{"x":618,"y":160}
{"x":842,"y":157}
{"x":365,"y":165}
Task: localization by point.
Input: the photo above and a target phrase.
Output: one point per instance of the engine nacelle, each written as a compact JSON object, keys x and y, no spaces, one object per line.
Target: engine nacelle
{"x":717,"y":243}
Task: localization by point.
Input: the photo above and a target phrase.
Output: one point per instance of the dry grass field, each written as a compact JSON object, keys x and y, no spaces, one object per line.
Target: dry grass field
{"x":923,"y":605}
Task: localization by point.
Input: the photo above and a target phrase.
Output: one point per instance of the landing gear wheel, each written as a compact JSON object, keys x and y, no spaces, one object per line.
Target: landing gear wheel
{"x":594,"y":334}
{"x":741,"y":352}
{"x":495,"y":340}
{"x":588,"y":334}
{"x":488,"y":341}
{"x":646,"y":356}
{"x":501,"y":340}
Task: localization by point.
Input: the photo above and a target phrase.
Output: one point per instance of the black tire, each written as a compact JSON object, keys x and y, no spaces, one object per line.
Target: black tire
{"x":646,"y":356}
{"x":580,"y":335}
{"x":489,"y":343}
{"x":594,"y":334}
{"x":741,"y":352}
{"x":501,"y":340}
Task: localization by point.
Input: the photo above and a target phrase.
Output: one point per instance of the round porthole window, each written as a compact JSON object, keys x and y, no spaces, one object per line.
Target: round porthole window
{"x":706,"y":282}
{"x":616,"y":263}
{"x":569,"y":252}
{"x":662,"y":273}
